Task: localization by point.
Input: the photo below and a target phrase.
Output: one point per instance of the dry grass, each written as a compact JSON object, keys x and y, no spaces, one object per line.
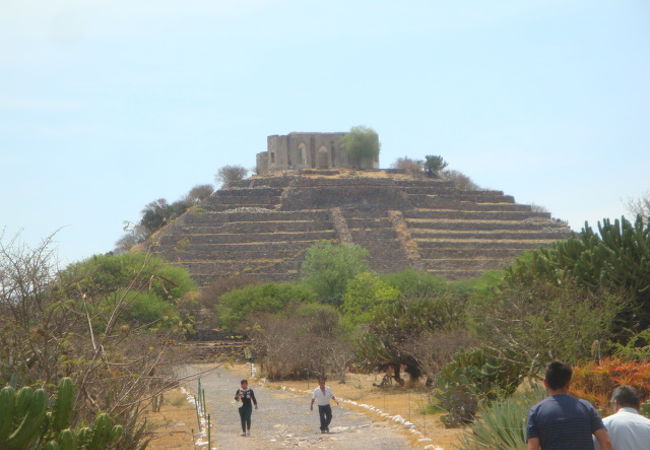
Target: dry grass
{"x":172,"y":425}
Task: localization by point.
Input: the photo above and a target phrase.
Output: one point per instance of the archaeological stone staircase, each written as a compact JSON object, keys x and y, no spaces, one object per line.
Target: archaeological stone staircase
{"x":262,"y":226}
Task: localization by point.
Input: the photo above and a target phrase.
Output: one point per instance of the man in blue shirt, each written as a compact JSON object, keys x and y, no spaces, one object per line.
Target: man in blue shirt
{"x":561,"y":421}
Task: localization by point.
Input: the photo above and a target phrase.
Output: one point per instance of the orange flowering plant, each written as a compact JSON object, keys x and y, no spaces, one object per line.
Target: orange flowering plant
{"x":595,"y":381}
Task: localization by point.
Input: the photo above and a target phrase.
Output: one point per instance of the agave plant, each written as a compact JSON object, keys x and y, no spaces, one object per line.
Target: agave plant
{"x":502,"y":424}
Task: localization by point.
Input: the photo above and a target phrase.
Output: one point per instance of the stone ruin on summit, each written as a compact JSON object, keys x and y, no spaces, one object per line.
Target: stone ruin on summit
{"x":306,"y":193}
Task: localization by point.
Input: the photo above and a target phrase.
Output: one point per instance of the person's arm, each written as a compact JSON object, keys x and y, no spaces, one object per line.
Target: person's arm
{"x":603,"y":439}
{"x":311,"y":407}
{"x":253,"y":398}
{"x":598,"y":429}
{"x":334,"y":398}
{"x":532,"y":434}
{"x":237,"y":395}
{"x":533,"y":444}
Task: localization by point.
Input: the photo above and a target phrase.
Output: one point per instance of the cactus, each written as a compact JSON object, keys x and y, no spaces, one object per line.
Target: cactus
{"x":67,"y":440}
{"x":63,"y":405}
{"x":7,"y":401}
{"x":27,"y":432}
{"x":23,"y":399}
{"x":116,"y":433}
{"x":25,"y":422}
{"x":52,"y":445}
{"x":101,"y":432}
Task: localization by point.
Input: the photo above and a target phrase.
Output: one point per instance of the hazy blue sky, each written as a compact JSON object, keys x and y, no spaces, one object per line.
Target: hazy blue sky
{"x":107,"y":105}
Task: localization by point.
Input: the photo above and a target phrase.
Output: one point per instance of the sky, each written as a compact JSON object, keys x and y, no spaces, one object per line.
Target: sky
{"x":108,"y":105}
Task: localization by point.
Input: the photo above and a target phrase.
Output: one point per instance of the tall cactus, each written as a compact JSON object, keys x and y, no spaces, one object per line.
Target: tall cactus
{"x":27,"y":432}
{"x":7,"y":405}
{"x":62,"y":411}
{"x":25,"y":422}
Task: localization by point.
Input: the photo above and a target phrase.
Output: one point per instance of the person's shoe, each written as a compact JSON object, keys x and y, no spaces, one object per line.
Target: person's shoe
{"x":327,"y":430}
{"x":243,"y":434}
{"x":248,"y":433}
{"x":322,"y":431}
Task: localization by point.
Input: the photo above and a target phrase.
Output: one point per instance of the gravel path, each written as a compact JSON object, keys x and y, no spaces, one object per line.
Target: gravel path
{"x":283,"y":420}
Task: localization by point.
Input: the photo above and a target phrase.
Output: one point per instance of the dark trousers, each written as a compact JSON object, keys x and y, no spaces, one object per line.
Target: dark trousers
{"x":325,"y":413}
{"x":245,"y":413}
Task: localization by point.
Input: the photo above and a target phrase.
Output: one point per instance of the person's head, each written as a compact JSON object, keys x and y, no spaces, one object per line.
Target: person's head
{"x":626,"y":397}
{"x":558,"y":376}
{"x":244,"y":384}
{"x":321,"y":382}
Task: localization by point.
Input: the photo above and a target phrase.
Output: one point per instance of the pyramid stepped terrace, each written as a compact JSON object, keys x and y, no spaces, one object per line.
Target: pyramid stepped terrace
{"x":262,"y":226}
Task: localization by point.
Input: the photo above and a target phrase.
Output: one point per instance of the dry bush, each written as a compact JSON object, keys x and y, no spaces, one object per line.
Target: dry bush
{"x":433,"y":349}
{"x":210,"y":294}
{"x":292,"y":346}
{"x":640,"y":206}
{"x":198,"y":193}
{"x":48,"y":331}
{"x":538,"y":208}
{"x":229,"y":174}
{"x":409,"y":166}
{"x":281,"y":349}
{"x":460,"y":180}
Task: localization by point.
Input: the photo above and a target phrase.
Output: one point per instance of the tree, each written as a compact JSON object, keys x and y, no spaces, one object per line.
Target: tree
{"x":328,"y":267}
{"x":361,"y":144}
{"x":363,"y":294}
{"x":229,"y":174}
{"x":408,"y":165}
{"x":460,"y":180}
{"x":381,"y":341}
{"x":433,"y":164}
{"x":198,"y":193}
{"x":640,"y":206}
{"x":134,"y":235}
{"x":158,"y":213}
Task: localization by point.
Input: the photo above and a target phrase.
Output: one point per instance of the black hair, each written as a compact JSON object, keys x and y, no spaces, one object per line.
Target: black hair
{"x":558,"y":375}
{"x":243,"y":381}
{"x":626,"y":396}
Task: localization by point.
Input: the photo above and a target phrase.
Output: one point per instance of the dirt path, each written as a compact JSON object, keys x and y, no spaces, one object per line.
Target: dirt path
{"x":284,"y":420}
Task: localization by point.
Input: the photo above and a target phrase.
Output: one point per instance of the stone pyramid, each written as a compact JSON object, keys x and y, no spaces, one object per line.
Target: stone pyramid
{"x":262,"y":226}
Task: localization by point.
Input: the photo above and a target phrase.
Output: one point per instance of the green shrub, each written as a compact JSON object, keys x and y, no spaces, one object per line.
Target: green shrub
{"x":470,"y":379}
{"x":234,"y":306}
{"x":616,"y":259}
{"x":502,"y":424}
{"x":416,"y":284}
{"x":101,"y":274}
{"x":533,"y":323}
{"x":147,"y":307}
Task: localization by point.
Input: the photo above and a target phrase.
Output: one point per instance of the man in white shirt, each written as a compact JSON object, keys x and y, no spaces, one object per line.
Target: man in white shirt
{"x":322,"y":395}
{"x":628,"y":430}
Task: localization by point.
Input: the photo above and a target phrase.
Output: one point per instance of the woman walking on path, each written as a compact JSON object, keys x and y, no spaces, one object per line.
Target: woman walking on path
{"x":247,"y":397}
{"x":322,"y":395}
